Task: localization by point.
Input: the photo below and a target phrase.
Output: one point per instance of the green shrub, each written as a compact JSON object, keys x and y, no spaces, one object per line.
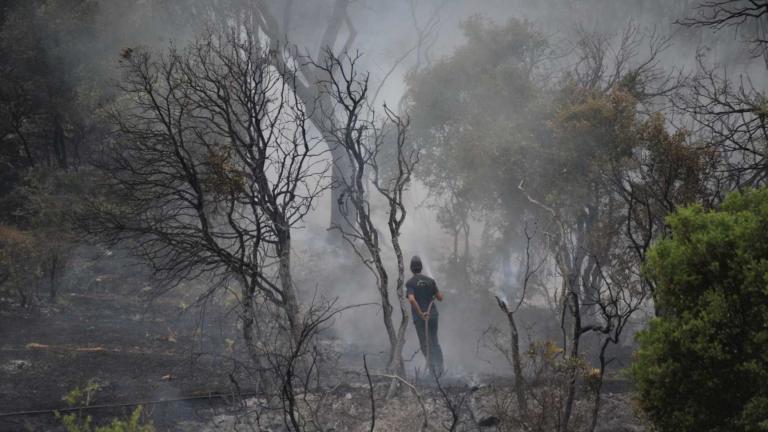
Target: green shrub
{"x":703,"y":365}
{"x":78,"y":422}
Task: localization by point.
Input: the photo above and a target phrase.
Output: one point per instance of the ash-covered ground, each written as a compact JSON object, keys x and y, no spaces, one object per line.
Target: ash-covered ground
{"x":183,"y":364}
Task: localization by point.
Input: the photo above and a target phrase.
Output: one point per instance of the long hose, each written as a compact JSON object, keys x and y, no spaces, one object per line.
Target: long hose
{"x":426,"y":337}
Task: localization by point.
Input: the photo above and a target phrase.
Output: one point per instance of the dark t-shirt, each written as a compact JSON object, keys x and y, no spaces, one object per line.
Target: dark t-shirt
{"x":424,"y":289}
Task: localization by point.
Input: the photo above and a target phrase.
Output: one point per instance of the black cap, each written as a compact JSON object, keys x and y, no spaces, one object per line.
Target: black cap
{"x":416,"y":265}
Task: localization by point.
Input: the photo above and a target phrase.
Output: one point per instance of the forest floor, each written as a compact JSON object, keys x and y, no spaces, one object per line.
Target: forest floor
{"x":133,"y":350}
{"x":146,"y":352}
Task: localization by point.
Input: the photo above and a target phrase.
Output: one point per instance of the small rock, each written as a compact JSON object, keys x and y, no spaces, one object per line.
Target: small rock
{"x":16,"y":366}
{"x":348,"y":396}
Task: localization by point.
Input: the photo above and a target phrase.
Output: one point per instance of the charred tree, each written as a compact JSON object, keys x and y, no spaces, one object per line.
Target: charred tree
{"x":356,"y":129}
{"x":212,"y":165}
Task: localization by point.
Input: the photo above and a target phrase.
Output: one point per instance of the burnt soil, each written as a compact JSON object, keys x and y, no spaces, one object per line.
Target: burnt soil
{"x":141,"y":351}
{"x":135,"y":350}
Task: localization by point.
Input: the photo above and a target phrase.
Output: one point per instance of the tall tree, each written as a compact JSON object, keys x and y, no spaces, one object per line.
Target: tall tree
{"x":473,"y":113}
{"x":213,"y":165}
{"x":357,"y":130}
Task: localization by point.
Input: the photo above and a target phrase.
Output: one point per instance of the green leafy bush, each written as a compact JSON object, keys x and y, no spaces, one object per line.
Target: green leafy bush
{"x":703,"y":364}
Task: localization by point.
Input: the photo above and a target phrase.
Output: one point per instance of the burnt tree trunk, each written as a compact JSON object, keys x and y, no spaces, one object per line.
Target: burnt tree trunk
{"x":290,"y":297}
{"x":396,"y":360}
{"x":517,"y":364}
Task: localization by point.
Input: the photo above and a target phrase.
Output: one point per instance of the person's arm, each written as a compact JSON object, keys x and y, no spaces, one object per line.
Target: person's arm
{"x":413,"y":302}
{"x":412,"y":299}
{"x":438,"y":293}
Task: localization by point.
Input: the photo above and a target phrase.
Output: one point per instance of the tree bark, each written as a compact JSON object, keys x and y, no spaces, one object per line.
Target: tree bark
{"x":266,"y":385}
{"x":290,"y":297}
{"x":517,"y":366}
{"x":397,"y":354}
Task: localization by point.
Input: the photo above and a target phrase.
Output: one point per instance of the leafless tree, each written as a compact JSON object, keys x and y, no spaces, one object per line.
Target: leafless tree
{"x":272,"y":26}
{"x":357,"y":130}
{"x":302,"y":389}
{"x":336,"y":40}
{"x":529,"y":270}
{"x":212,"y":164}
{"x":745,"y":16}
{"x":306,"y":88}
{"x":620,"y":296}
{"x":726,"y":113}
{"x":297,"y":368}
{"x":729,"y":117}
{"x":631,"y":59}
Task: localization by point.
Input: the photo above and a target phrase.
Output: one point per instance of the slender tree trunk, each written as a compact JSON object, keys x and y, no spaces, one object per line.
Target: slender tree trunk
{"x":292,"y":312}
{"x":572,"y":369}
{"x":249,"y":324}
{"x":572,"y":303}
{"x":598,"y":386}
{"x":250,"y":331}
{"x":517,"y":366}
{"x":387,"y":309}
{"x":321,"y":106}
{"x":397,"y":354}
{"x":340,"y":168}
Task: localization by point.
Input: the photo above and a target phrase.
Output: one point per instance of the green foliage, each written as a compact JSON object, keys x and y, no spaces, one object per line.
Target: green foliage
{"x":703,"y":365}
{"x":82,"y":395}
{"x":592,"y":130}
{"x":78,"y":422}
{"x":470,"y":135}
{"x":567,"y":138}
{"x":475,"y":114}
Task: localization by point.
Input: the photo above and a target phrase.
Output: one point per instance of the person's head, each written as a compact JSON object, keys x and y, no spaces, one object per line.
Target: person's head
{"x":416,"y":265}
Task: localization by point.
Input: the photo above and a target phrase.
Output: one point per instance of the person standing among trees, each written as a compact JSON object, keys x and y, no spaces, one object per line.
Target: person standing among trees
{"x":422,"y":292}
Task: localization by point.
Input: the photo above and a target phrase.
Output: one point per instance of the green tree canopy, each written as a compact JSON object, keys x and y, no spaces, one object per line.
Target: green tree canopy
{"x":703,"y":365}
{"x":474,"y":110}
